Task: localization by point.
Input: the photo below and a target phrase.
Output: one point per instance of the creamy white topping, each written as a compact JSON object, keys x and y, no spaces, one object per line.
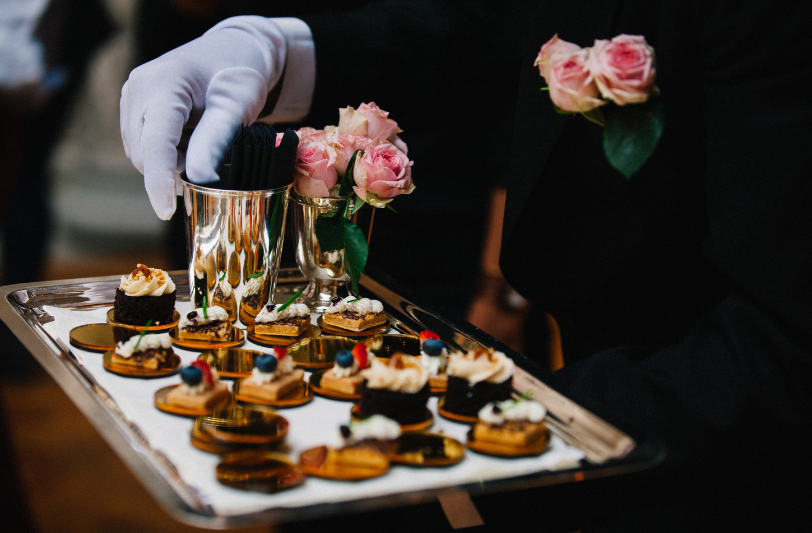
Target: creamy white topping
{"x":364,"y":306}
{"x":225,"y":286}
{"x":253,"y":286}
{"x":376,"y":427}
{"x":341,"y":372}
{"x":214,"y":313}
{"x":144,"y":281}
{"x":516,"y":411}
{"x":434,"y":364}
{"x":283,"y":368}
{"x":481,"y":365}
{"x":266,"y":317}
{"x":411,"y":378}
{"x":127,"y":348}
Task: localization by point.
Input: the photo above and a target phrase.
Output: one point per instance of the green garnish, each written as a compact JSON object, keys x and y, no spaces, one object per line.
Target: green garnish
{"x":205,"y":314}
{"x":222,"y":277}
{"x":143,"y":332}
{"x":351,"y":301}
{"x":255,"y":276}
{"x":290,"y":301}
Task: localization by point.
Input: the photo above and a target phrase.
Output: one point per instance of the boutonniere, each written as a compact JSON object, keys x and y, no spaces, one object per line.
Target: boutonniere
{"x":619,"y":72}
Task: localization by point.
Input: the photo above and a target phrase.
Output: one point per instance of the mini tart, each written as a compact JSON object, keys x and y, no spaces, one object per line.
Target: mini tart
{"x":350,"y":385}
{"x":180,"y":397}
{"x":364,"y":454}
{"x":287,"y":327}
{"x":354,"y":321}
{"x":228,"y":303}
{"x":404,"y":407}
{"x":517,"y":434}
{"x":273,"y":390}
{"x":350,"y":363}
{"x":138,"y":310}
{"x":218,"y":330}
{"x":152,"y":359}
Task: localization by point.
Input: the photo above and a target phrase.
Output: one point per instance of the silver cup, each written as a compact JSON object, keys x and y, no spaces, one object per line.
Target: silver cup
{"x":323,"y":269}
{"x":234,"y":241}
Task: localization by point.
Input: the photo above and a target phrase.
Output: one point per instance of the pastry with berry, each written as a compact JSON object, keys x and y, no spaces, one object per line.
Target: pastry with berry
{"x":274,"y":377}
{"x":354,"y":314}
{"x":280,"y":319}
{"x":201,"y":388}
{"x":345,"y":376}
{"x":434,"y":359}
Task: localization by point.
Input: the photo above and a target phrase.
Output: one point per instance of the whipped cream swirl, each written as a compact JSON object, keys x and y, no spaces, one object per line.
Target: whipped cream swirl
{"x":293,"y":310}
{"x":253,"y":286}
{"x":127,"y":348}
{"x":376,"y":427}
{"x":481,"y":365}
{"x":214,"y":313}
{"x":145,"y":281}
{"x":409,"y":378}
{"x":225,"y":286}
{"x":364,"y":306}
{"x":497,"y":413}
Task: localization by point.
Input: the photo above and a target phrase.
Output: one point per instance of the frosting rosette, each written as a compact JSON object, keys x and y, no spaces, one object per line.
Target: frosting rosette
{"x":145,"y":281}
{"x":402,"y":373}
{"x":214,"y":313}
{"x":497,"y":413}
{"x":270,"y":313}
{"x":254,"y":286}
{"x":126,"y":349}
{"x":481,"y":365}
{"x":362,"y":306}
{"x":376,"y":427}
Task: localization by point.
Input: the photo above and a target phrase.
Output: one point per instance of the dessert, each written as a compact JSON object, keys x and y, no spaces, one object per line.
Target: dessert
{"x":143,"y":351}
{"x":252,"y":295}
{"x":512,"y":423}
{"x":434,"y":359}
{"x":146,"y":294}
{"x":201,"y":388}
{"x":345,"y":376}
{"x":397,"y":389}
{"x":273,"y":377}
{"x":354,"y":314}
{"x":364,"y":444}
{"x":275,"y":319}
{"x":223,"y":296}
{"x":476,"y":378}
{"x":207,"y":324}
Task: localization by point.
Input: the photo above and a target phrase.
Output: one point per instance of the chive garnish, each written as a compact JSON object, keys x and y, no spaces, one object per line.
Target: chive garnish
{"x":222,"y":277}
{"x":351,"y":301}
{"x":255,"y":276}
{"x":205,"y":315}
{"x":143,"y":332}
{"x":290,"y":301}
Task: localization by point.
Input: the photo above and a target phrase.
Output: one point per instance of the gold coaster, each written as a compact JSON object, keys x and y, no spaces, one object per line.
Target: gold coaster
{"x":169,"y":367}
{"x":492,"y":448}
{"x":100,"y":337}
{"x":454,"y":416}
{"x":313,"y":463}
{"x":261,"y":471}
{"x":231,"y":362}
{"x":319,"y":352}
{"x":162,"y":405}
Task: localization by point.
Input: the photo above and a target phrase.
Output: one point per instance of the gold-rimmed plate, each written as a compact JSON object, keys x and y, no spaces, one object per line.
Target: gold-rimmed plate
{"x":311,"y":332}
{"x":260,"y":471}
{"x":100,"y":337}
{"x":235,"y":338}
{"x":158,"y":327}
{"x":313,"y":462}
{"x":492,"y":448}
{"x":203,"y":441}
{"x":169,"y":367}
{"x":319,"y":352}
{"x":465,"y":419}
{"x":231,"y":363}
{"x":315,"y":384}
{"x":244,"y":425}
{"x":299,"y":396}
{"x":386,"y":345}
{"x":334,"y":330}
{"x":162,"y":405}
{"x":426,"y":422}
{"x":427,"y":449}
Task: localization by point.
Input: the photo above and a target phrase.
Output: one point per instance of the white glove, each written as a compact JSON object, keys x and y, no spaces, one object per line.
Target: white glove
{"x":214,"y":84}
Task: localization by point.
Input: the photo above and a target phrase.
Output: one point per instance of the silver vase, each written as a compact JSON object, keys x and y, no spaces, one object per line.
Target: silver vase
{"x":323,"y":269}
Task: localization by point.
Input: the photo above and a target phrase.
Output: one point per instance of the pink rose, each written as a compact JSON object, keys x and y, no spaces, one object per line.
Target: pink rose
{"x":382,"y":173}
{"x":623,"y":69}
{"x":315,"y":171}
{"x":311,"y":134}
{"x":345,"y":146}
{"x":551,"y":48}
{"x":572,"y":86}
{"x":368,"y":120}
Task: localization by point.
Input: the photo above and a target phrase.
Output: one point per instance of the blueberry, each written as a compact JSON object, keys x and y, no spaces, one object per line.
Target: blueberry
{"x":335,"y":300}
{"x":266,"y":363}
{"x":344,"y":358}
{"x":191,"y":375}
{"x":432,"y":347}
{"x":270,"y":307}
{"x":192,"y":315}
{"x":345,"y":431}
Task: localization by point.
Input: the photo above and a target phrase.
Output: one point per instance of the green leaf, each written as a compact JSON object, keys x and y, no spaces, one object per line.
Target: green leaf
{"x":595,"y":115}
{"x":631,"y":134}
{"x":348,"y":181}
{"x":329,"y":232}
{"x":389,"y":206}
{"x":356,"y":251}
{"x":357,"y":205}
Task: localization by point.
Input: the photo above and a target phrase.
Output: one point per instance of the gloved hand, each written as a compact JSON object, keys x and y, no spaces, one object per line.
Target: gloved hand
{"x":214,"y":84}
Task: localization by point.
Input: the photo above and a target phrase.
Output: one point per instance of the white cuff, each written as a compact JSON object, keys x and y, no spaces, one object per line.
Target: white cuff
{"x":300,"y":73}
